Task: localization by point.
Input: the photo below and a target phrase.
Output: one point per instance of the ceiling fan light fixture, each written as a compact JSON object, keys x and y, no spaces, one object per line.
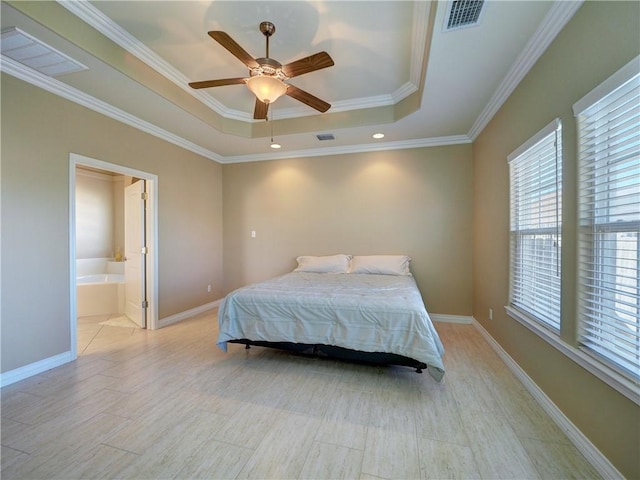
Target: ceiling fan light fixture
{"x":267,"y":76}
{"x":266,"y":89}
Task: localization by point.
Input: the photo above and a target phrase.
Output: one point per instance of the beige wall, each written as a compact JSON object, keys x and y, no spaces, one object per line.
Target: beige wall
{"x":415,"y":202}
{"x":601,"y":38}
{"x":39,"y":131}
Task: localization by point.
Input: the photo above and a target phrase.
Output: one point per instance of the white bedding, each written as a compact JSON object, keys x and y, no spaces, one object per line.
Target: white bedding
{"x":370,"y":313}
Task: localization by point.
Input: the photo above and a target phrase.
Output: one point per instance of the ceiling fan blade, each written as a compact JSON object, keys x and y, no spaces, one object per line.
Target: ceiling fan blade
{"x":236,"y":50}
{"x":307,"y":64}
{"x":217,"y":83}
{"x":260,"y":110}
{"x":307,"y":98}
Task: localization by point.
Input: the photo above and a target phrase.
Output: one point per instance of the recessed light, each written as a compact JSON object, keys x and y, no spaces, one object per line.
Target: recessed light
{"x":378,"y":136}
{"x":275,"y":145}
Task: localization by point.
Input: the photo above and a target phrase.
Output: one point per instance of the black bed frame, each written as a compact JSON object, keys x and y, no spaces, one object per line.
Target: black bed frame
{"x":320,"y":350}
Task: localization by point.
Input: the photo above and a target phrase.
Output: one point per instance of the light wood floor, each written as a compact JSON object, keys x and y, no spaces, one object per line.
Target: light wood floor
{"x":169,"y":404}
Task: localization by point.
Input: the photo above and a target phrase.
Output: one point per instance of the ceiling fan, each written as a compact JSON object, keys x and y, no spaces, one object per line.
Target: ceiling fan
{"x":267,"y":76}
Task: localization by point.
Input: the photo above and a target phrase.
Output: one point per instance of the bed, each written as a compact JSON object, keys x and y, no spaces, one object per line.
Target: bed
{"x":355,"y":311}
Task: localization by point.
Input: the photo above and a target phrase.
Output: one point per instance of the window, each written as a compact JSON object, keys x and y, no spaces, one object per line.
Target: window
{"x":535,"y":171}
{"x":609,"y":222}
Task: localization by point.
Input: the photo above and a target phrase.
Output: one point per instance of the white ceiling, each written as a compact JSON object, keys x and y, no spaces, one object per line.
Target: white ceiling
{"x":396,"y":70}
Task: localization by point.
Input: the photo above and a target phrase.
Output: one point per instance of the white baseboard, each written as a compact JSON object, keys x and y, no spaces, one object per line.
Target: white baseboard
{"x":440,"y":317}
{"x":171,"y":319}
{"x":13,"y":376}
{"x":581,"y":442}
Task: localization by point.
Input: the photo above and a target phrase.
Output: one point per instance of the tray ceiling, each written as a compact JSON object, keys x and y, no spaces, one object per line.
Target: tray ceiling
{"x":397,"y":70}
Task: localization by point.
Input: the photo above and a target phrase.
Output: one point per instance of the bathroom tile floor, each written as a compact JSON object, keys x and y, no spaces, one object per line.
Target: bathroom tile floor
{"x":103,"y":329}
{"x":169,"y":404}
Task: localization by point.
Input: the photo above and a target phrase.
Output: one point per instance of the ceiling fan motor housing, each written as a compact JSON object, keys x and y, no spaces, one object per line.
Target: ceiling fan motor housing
{"x":270,"y":67}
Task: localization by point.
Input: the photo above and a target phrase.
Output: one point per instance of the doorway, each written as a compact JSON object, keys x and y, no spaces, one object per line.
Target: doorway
{"x":141,"y":264}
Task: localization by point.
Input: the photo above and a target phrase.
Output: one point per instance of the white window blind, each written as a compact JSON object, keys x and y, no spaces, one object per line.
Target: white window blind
{"x":535,"y":171}
{"x":609,"y":221}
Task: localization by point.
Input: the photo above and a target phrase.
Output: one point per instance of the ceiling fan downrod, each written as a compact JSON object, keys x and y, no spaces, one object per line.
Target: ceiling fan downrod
{"x":267,"y":29}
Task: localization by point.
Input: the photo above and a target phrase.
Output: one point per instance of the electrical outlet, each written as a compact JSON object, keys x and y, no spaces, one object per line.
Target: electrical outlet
{"x":209,"y":288}
{"x":491,"y":314}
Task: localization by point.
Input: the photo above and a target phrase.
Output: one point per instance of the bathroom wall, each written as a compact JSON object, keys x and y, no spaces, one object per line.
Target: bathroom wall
{"x":99,"y":214}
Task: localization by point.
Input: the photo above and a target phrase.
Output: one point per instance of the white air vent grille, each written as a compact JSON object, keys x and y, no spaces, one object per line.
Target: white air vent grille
{"x":463,"y":13}
{"x":29,"y":51}
{"x":325,"y":136}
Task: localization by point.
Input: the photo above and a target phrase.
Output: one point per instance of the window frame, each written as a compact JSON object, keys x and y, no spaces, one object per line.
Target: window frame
{"x":567,"y":344}
{"x":595,"y":231}
{"x":520,"y":312}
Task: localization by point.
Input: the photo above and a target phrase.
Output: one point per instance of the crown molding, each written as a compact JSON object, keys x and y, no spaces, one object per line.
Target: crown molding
{"x":403,"y":92}
{"x":555,"y":20}
{"x":103,"y":24}
{"x":63,"y":90}
{"x":353,"y":104}
{"x":22,"y":72}
{"x":557,"y":17}
{"x":363,"y":148}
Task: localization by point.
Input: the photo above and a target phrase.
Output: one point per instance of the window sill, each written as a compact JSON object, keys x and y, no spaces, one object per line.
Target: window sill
{"x":612,"y":378}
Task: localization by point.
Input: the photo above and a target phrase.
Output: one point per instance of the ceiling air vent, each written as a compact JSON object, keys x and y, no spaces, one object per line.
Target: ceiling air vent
{"x":462,"y":14}
{"x":33,"y":53}
{"x":325,"y":136}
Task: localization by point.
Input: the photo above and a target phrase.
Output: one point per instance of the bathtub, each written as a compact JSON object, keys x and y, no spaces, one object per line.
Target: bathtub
{"x":100,"y":278}
{"x":99,"y":293}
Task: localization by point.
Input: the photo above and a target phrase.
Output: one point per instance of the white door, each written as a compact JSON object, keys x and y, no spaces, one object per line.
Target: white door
{"x":134,"y":243}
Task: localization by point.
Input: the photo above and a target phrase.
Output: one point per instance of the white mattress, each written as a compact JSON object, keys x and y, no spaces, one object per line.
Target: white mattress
{"x":370,"y":313}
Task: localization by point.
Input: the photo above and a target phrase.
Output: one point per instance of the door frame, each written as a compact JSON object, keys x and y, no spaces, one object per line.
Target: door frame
{"x":151,"y":232}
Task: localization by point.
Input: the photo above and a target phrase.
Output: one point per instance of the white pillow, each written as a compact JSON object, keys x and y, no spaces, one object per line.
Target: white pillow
{"x":324,"y":264}
{"x":381,"y":264}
